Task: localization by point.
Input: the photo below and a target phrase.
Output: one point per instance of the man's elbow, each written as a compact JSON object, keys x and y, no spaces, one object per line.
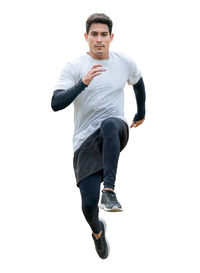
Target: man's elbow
{"x":54,"y":108}
{"x":54,"y":104}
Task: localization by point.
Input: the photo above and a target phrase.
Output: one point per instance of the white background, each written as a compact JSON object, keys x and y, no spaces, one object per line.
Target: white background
{"x":42,"y":228}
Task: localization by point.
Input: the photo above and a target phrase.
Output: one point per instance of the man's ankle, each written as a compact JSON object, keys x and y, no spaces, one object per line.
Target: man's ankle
{"x":108,"y":189}
{"x":98,"y":235}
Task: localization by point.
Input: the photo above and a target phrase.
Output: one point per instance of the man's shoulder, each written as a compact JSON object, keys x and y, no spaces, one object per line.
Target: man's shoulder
{"x":74,"y":64}
{"x":121,"y":56}
{"x":123,"y":59}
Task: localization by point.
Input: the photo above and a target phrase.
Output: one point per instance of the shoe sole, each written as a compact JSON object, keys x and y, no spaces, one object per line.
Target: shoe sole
{"x":113,"y":209}
{"x":105,"y":227}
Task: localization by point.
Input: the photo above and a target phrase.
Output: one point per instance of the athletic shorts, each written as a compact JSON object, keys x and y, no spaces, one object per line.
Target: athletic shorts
{"x":88,"y":157}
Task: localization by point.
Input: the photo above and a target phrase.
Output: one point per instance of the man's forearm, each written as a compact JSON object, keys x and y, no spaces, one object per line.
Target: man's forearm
{"x":62,"y":98}
{"x":140,"y":96}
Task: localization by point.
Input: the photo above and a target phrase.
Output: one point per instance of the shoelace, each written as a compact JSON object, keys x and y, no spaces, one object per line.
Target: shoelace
{"x":112,"y":196}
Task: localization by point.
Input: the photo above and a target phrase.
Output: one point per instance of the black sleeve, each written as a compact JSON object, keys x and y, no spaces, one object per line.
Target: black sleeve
{"x":62,"y":98}
{"x":140,"y":96}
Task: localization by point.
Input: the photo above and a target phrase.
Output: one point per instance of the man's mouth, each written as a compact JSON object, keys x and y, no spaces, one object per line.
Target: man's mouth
{"x":99,"y":46}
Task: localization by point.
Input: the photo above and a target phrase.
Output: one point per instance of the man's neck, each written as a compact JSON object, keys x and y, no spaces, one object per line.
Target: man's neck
{"x":99,"y":57}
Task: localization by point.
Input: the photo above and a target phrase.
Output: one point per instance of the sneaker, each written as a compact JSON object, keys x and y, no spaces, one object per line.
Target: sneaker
{"x":109,"y":201}
{"x":101,"y":244}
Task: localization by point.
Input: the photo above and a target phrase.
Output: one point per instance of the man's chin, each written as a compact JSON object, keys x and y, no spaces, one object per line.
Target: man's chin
{"x":99,"y":53}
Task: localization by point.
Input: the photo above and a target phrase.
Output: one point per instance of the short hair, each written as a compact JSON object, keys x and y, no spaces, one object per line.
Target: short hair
{"x":99,"y":18}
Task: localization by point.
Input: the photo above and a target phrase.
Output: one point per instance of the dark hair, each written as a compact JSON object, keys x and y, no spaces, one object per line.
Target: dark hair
{"x":99,"y":18}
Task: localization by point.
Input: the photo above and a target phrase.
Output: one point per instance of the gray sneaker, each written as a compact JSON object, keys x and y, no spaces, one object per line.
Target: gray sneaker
{"x":109,"y":201}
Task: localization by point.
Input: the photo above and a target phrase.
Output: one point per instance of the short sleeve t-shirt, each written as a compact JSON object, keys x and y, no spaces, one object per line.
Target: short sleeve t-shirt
{"x":103,"y":97}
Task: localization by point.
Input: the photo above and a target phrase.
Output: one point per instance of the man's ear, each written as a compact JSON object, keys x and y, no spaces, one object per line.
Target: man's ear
{"x":112,"y":36}
{"x":86,"y":36}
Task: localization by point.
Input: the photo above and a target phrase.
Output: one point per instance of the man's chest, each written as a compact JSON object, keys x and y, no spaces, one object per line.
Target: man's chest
{"x":113,"y":78}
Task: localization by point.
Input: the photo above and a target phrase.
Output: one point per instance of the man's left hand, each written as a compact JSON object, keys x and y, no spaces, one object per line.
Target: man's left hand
{"x":137,"y":123}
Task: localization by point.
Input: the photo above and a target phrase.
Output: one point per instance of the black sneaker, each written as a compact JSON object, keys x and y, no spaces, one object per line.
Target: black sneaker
{"x":109,"y":201}
{"x":101,"y":244}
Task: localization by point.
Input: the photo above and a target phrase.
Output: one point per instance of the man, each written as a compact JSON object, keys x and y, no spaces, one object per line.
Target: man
{"x":95,"y":84}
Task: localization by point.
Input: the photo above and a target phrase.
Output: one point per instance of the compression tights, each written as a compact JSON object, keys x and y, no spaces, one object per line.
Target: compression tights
{"x":111,"y":132}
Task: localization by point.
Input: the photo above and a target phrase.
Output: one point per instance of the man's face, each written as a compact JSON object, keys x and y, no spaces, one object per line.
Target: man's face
{"x":99,"y":39}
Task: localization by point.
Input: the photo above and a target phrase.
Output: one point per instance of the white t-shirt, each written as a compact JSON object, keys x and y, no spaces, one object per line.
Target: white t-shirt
{"x":104,"y":96}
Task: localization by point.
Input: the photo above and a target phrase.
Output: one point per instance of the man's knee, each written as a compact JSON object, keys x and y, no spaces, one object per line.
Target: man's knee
{"x":90,"y":204}
{"x":109,"y":126}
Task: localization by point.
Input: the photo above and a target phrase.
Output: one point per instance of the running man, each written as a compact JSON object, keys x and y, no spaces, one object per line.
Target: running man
{"x":95,"y":84}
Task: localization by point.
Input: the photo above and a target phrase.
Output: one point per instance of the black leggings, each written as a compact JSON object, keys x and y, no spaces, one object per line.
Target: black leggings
{"x":111,"y":132}
{"x":90,"y":191}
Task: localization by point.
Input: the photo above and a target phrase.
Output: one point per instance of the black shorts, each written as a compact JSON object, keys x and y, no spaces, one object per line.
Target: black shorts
{"x":88,"y":157}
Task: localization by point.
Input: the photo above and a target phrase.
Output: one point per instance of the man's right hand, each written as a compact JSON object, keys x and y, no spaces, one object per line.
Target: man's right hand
{"x":93,"y":72}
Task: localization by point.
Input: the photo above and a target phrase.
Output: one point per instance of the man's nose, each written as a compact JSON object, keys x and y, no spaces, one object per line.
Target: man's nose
{"x":99,"y":38}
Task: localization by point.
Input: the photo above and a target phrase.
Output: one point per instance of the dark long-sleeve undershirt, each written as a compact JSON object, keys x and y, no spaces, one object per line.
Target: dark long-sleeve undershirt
{"x":62,"y":98}
{"x":140,"y":96}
